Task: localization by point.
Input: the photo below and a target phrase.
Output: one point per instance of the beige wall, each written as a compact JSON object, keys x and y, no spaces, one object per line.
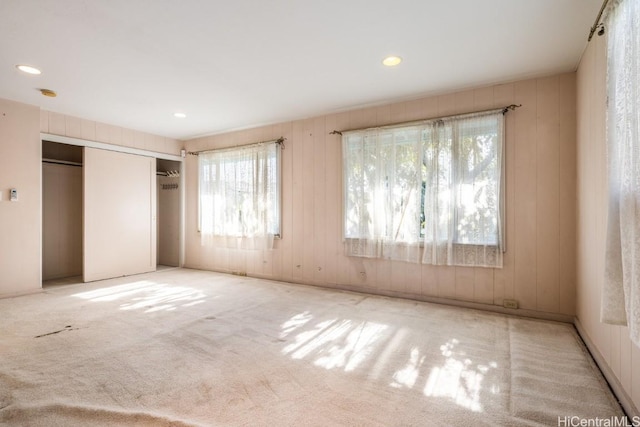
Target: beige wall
{"x":620,"y":356}
{"x":61,"y":221}
{"x":539,"y":266}
{"x":20,"y":168}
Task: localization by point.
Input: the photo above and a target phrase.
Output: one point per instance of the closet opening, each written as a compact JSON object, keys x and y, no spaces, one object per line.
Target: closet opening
{"x":168,"y":213}
{"x":62,"y":227}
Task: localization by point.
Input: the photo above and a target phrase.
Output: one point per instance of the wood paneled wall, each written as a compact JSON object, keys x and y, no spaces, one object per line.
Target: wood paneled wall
{"x":539,"y":265}
{"x":74,"y":127}
{"x":20,"y":168}
{"x":612,"y":342}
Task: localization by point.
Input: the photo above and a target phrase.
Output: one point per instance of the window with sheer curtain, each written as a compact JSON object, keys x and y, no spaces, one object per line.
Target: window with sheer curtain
{"x":430,"y":192}
{"x":239,"y":196}
{"x":621,"y":291}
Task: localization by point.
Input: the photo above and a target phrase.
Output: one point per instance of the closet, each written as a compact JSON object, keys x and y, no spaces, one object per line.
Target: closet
{"x":108,"y":211}
{"x":168,"y":212}
{"x":61,"y":210}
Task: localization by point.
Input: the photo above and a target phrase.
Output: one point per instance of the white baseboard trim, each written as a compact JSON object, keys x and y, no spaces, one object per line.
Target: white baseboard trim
{"x":619,"y":391}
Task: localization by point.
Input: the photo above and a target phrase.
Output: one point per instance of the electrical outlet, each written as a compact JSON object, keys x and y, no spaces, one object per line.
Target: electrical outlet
{"x":510,"y":303}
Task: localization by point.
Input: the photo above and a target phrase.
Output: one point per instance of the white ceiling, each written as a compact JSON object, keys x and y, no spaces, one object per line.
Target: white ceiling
{"x":241,"y":63}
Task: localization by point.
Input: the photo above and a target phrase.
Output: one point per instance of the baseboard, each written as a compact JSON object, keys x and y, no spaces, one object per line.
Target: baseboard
{"x":519,"y":312}
{"x":21,"y":294}
{"x":619,"y":391}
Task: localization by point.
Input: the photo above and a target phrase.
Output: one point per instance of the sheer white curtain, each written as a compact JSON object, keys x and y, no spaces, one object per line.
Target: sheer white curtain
{"x":438,"y":183}
{"x":238,"y":197}
{"x":463,"y":202}
{"x":382,"y":193}
{"x":621,"y":291}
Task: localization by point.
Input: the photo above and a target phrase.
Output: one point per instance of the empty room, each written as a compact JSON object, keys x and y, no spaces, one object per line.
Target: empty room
{"x":407,"y":213}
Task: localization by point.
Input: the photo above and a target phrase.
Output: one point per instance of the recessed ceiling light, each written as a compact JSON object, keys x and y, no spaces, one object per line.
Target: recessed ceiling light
{"x":28,"y":69}
{"x":391,"y":61}
{"x":179,"y":115}
{"x":48,"y":92}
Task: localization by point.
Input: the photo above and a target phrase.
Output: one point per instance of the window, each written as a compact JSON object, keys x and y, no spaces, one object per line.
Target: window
{"x":620,"y":296}
{"x":437,"y":184}
{"x":239,"y":196}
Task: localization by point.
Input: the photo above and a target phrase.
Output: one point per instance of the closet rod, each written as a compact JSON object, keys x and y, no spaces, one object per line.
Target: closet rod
{"x":61,"y":162}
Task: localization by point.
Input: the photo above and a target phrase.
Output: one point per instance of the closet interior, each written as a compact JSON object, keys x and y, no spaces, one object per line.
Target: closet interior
{"x":62,"y":251}
{"x":168,"y":212}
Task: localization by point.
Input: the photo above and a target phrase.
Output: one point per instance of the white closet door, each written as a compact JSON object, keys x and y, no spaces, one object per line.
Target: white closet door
{"x":119,"y":214}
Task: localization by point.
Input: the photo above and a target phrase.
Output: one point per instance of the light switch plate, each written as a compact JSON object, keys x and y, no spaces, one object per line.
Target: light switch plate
{"x":13,"y":195}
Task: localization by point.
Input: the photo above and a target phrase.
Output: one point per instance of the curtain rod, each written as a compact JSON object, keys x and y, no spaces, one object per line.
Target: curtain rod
{"x":503,"y":109}
{"x":279,"y":141}
{"x":597,"y":24}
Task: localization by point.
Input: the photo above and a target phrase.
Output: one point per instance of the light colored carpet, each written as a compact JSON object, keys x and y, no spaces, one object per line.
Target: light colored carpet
{"x":186,"y":347}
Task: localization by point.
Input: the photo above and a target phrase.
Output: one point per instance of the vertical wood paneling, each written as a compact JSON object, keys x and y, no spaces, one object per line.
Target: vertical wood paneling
{"x":343,"y":121}
{"x":382,"y":270}
{"x":548,"y":195}
{"x":446,"y":279}
{"x":319,"y":199}
{"x":615,"y":351}
{"x":483,"y":285}
{"x":44,"y":121}
{"x":446,"y":105}
{"x":102,"y":135}
{"x":429,"y":280}
{"x":308,"y":182}
{"x":537,"y":147}
{"x":483,"y":99}
{"x":57,"y":124}
{"x":297,"y":202}
{"x":567,"y":193}
{"x":413,"y":274}
{"x":73,"y":127}
{"x":89,"y":130}
{"x":464,"y":280}
{"x":333,"y":198}
{"x":127,"y":138}
{"x":429,"y":107}
{"x":525,"y":181}
{"x":504,"y":278}
{"x":626,"y":366}
{"x":398,"y":277}
{"x":413,"y":110}
{"x":635,"y":374}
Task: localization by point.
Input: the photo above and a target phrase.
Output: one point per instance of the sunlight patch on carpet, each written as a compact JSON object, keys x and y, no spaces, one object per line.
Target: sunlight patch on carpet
{"x":343,"y":344}
{"x":457,"y":379}
{"x":146,"y":295}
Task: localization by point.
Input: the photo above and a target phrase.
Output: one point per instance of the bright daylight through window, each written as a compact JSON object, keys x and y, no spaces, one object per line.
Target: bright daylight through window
{"x":430,"y":192}
{"x":239,"y":196}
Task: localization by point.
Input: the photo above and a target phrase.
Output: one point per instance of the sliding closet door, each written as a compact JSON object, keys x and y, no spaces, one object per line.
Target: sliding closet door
{"x":119,"y":214}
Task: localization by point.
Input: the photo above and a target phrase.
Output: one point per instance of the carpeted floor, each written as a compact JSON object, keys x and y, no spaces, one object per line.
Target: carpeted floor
{"x":186,"y":347}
